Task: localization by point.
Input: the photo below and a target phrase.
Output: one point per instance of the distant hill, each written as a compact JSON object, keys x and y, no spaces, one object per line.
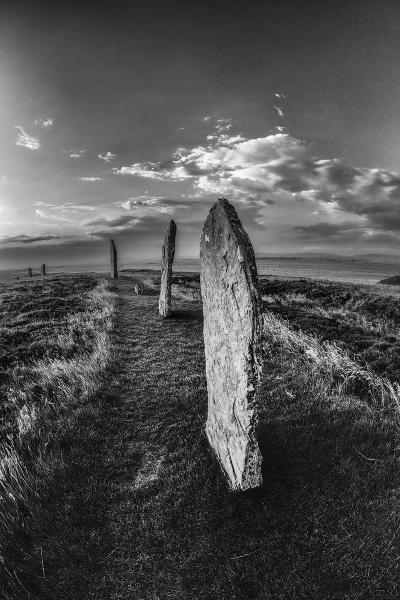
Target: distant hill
{"x":330,"y":256}
{"x":395,"y":280}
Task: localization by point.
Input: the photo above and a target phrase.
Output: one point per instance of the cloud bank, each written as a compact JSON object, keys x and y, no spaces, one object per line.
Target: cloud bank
{"x":280,"y":169}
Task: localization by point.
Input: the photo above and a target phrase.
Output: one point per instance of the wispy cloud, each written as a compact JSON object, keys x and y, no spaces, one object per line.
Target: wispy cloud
{"x":107,"y":226}
{"x":28,"y":239}
{"x":280,"y":96}
{"x":76,"y":153}
{"x":90,"y":179}
{"x":107,"y":157}
{"x":147,"y":170}
{"x":279,"y":111}
{"x":25,"y":140}
{"x":66,"y":207}
{"x":153,"y":203}
{"x":51,"y":216}
{"x":45,"y":123}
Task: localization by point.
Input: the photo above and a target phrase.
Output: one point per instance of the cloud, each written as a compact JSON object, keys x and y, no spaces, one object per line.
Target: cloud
{"x":280,"y":128}
{"x":325,"y":230}
{"x":25,"y":140}
{"x":76,"y":153}
{"x":107,"y":226}
{"x":345,"y":232}
{"x":28,"y":239}
{"x":283,"y":170}
{"x":280,"y":96}
{"x":279,"y":111}
{"x":153,"y":203}
{"x":147,"y":170}
{"x":90,"y":179}
{"x":67,"y":206}
{"x":51,"y":217}
{"x":46,"y":123}
{"x":107,"y":157}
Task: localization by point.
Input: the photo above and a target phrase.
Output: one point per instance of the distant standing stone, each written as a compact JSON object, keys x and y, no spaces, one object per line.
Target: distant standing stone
{"x":233,"y":348}
{"x":113,"y":260}
{"x":29,"y":271}
{"x":43,"y":270}
{"x":168,"y":252}
{"x":139,"y":289}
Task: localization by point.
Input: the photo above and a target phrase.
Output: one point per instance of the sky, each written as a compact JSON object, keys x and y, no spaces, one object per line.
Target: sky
{"x":117,"y":117}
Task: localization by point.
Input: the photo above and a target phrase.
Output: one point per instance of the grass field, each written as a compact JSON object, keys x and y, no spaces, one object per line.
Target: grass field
{"x":135,"y":506}
{"x":54,"y":347}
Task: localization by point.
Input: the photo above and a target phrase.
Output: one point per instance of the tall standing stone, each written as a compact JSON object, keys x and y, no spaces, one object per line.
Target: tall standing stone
{"x":233,"y":347}
{"x":168,"y":252}
{"x":113,"y":260}
{"x":29,"y":271}
{"x":43,"y":270}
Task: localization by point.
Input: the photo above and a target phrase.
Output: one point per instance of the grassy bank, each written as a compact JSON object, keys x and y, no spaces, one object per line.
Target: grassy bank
{"x":54,"y":347}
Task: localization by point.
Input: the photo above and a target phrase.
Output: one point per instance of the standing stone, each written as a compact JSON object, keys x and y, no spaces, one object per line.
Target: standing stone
{"x":29,"y":271}
{"x":233,"y":347}
{"x":168,"y":251}
{"x":43,"y":270}
{"x":113,"y":260}
{"x":139,"y":289}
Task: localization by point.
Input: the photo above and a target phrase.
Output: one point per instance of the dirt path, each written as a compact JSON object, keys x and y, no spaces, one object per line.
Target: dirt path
{"x":117,"y":453}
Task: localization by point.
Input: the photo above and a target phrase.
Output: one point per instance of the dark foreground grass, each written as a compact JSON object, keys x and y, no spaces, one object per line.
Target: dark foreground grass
{"x":140,"y":509}
{"x":55,"y":346}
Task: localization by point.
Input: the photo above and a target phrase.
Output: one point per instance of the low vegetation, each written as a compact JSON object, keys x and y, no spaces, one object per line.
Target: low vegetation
{"x":138,"y":506}
{"x":54,"y":346}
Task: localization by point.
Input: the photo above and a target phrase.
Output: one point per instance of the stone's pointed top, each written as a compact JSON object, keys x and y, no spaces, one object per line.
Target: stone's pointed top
{"x":222,"y":219}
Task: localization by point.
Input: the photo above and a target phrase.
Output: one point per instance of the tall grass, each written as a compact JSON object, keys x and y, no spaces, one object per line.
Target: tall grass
{"x":328,"y":365}
{"x":43,"y":394}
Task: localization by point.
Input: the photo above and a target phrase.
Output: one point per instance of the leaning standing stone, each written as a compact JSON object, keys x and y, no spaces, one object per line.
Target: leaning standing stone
{"x":113,"y":260}
{"x":233,"y":348}
{"x":168,"y":251}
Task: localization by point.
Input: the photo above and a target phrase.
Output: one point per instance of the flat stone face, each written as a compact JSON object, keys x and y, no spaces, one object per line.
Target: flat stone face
{"x":113,"y":260}
{"x":29,"y":271}
{"x":168,"y":252}
{"x":43,"y":270}
{"x":233,"y":349}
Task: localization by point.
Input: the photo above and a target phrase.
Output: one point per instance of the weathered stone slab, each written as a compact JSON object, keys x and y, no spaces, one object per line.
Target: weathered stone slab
{"x":139,"y":289}
{"x":43,"y":270}
{"x":113,"y":260}
{"x":233,"y":348}
{"x":29,"y":271}
{"x":168,"y":252}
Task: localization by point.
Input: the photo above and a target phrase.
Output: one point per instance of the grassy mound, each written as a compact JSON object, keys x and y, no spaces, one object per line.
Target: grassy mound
{"x":54,"y":344}
{"x":395,"y":280}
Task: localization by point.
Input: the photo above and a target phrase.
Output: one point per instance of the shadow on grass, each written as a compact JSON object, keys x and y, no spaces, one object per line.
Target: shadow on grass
{"x":187,"y":315}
